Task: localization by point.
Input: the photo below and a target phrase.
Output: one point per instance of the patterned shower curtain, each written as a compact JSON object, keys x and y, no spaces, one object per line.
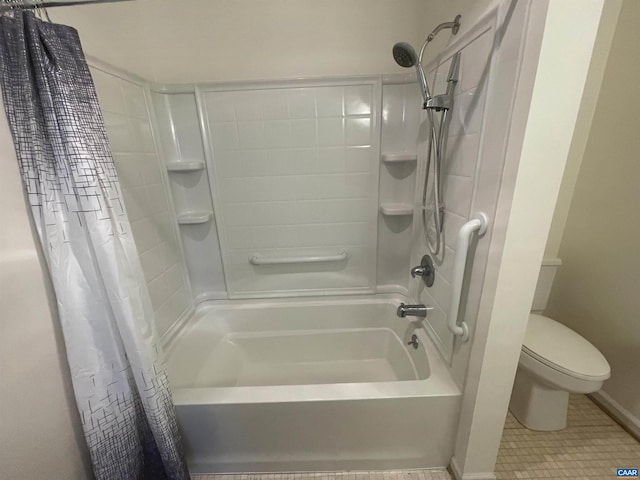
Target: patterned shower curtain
{"x":113,"y":350}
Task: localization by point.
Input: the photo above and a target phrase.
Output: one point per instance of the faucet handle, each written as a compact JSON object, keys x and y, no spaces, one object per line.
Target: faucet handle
{"x":425,"y":270}
{"x":418,"y":272}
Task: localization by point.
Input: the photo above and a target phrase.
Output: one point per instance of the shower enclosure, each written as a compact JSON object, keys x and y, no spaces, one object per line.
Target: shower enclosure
{"x":289,"y":195}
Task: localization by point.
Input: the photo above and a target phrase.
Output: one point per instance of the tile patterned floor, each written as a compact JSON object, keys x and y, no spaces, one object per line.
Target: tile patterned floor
{"x":590,"y":448}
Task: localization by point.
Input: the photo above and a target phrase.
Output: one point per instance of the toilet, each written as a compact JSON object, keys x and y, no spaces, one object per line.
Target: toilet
{"x":554,"y":362}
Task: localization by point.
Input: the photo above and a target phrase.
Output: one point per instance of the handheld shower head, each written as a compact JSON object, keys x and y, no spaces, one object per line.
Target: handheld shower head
{"x":404,"y":55}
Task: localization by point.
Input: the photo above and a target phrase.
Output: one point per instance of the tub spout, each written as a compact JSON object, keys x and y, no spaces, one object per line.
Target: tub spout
{"x":412,"y":310}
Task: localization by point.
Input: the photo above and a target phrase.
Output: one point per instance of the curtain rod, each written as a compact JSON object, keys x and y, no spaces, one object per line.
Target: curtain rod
{"x":11,"y":4}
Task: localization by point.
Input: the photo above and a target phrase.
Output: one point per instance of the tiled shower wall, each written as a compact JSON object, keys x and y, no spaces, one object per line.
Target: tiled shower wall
{"x":128,"y":127}
{"x":460,"y":181}
{"x":296,"y":174}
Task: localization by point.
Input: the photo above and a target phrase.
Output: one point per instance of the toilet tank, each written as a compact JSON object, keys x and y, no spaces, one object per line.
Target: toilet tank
{"x":545,"y":282}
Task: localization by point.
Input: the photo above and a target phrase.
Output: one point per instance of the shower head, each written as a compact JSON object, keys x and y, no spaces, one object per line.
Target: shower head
{"x":404,"y":55}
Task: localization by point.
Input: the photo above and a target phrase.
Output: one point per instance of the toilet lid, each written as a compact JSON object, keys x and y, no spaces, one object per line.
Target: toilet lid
{"x":563,"y":349}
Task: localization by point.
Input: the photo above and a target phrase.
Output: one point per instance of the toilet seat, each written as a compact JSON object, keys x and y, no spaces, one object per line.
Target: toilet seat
{"x":562,"y":350}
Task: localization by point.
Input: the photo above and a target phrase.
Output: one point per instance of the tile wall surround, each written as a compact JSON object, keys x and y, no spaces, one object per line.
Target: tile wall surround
{"x":296,"y":174}
{"x":460,"y":180}
{"x":310,"y":126}
{"x":131,"y":140}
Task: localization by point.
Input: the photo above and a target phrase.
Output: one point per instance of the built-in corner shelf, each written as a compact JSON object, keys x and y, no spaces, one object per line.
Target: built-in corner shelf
{"x":399,"y":157}
{"x":194,"y":218}
{"x":396,"y":209}
{"x":191,"y":166}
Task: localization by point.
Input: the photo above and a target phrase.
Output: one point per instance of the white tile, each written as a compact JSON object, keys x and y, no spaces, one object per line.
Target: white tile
{"x":452,"y":225}
{"x":274,"y":162}
{"x":470,"y":109}
{"x":303,"y":132}
{"x":150,"y":170}
{"x":224,"y":136}
{"x":277,"y":133}
{"x":174,"y":279}
{"x":304,"y":211}
{"x":275,"y":105}
{"x":134,"y":100}
{"x":358,"y":131}
{"x":462,"y":155}
{"x":331,"y":131}
{"x":329,"y":101}
{"x":144,"y":235}
{"x":152,"y":263}
{"x":221,"y":107}
{"x":159,"y":290}
{"x":156,"y":199}
{"x":164,"y":226}
{"x":129,"y":170}
{"x":440,"y":85}
{"x":248,"y":106}
{"x":475,"y":59}
{"x":142,"y":138}
{"x":251,"y":134}
{"x":331,"y":160}
{"x":441,"y":291}
{"x":360,"y":159}
{"x":132,"y":204}
{"x":302,"y":103}
{"x":168,"y":254}
{"x":357,"y":99}
{"x":118,"y":132}
{"x":446,"y":269}
{"x":304,"y":161}
{"x":458,"y":194}
{"x":229,"y":162}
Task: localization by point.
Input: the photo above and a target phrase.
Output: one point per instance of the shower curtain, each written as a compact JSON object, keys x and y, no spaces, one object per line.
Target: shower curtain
{"x":112,"y":346}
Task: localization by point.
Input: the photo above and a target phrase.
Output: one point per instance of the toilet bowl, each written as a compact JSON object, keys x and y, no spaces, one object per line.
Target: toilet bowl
{"x":554,"y":362}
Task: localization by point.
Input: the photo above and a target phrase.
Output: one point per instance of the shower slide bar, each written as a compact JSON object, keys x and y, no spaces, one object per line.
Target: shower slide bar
{"x":477,"y":224}
{"x":256,"y":260}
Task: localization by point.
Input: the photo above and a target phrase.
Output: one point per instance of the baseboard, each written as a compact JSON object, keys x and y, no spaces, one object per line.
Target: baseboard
{"x":624,"y":417}
{"x":458,"y":475}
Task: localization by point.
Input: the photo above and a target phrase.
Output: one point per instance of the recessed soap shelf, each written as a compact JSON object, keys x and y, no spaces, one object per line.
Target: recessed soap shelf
{"x":399,"y":157}
{"x":396,"y":209}
{"x":190,"y":166}
{"x":194,"y":218}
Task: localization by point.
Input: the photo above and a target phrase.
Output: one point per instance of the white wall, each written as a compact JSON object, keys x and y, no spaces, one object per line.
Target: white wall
{"x":40,"y":434}
{"x":583,"y":125}
{"x":139,"y":171}
{"x":596,"y":289}
{"x":524,"y":215}
{"x":199,"y":40}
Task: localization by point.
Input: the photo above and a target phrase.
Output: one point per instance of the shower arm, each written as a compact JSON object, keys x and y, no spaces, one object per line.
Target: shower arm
{"x":454,"y":26}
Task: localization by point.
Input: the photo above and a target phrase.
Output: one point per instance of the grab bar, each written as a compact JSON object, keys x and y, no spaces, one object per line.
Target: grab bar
{"x":478,"y":224}
{"x":256,"y":260}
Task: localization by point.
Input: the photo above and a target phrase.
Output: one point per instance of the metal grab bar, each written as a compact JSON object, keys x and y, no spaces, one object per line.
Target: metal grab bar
{"x":478,"y":224}
{"x":256,"y":260}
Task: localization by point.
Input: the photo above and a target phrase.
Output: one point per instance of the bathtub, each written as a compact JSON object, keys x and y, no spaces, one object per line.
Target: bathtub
{"x":310,"y":385}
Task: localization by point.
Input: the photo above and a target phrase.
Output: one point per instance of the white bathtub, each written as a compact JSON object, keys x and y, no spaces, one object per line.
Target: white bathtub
{"x":310,"y":385}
